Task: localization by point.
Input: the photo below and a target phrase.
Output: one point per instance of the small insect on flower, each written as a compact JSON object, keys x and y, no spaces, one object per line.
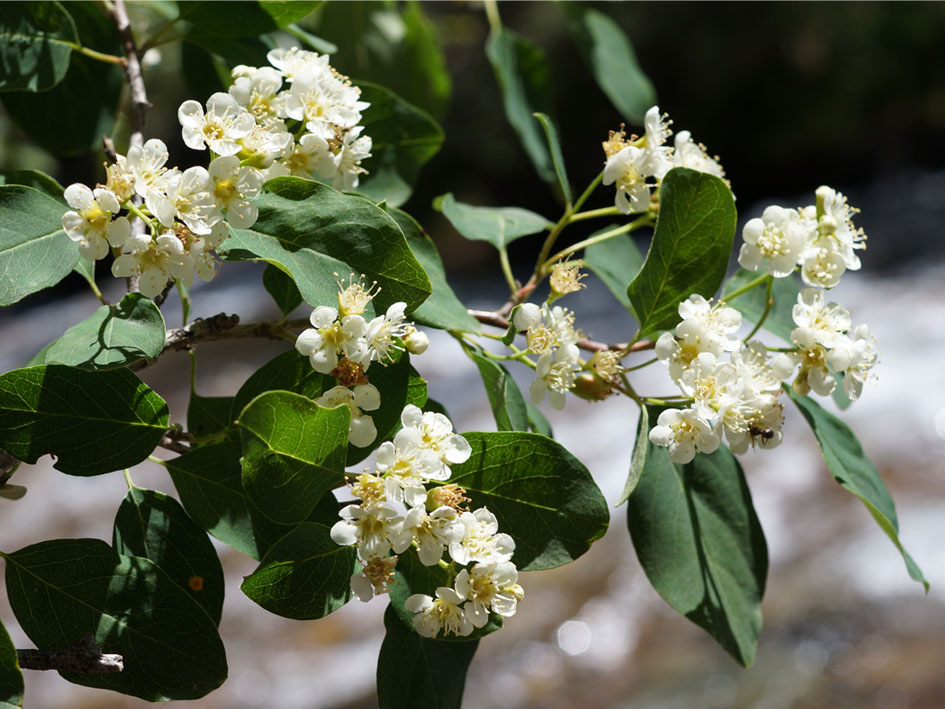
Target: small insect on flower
{"x":766,"y":434}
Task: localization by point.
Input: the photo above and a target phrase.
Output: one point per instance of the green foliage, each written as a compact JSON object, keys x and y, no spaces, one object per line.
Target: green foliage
{"x":293,"y":453}
{"x":37,"y":180}
{"x":610,"y":57}
{"x":282,"y":289}
{"x":152,"y":525}
{"x":37,"y":40}
{"x":207,"y":415}
{"x":243,"y":19}
{"x":129,"y":605}
{"x":505,"y":399}
{"x":288,"y":371}
{"x":544,"y":496}
{"x":500,"y":226}
{"x":638,"y":461}
{"x":413,"y":671}
{"x":751,"y":303}
{"x":35,"y":252}
{"x":304,"y":575}
{"x":312,"y":232}
{"x":115,"y":336}
{"x":698,"y":539}
{"x":404,"y":139}
{"x":11,"y":678}
{"x":690,"y":250}
{"x":616,"y":262}
{"x":557,"y":159}
{"x":93,"y":422}
{"x":522,"y":72}
{"x":851,"y":467}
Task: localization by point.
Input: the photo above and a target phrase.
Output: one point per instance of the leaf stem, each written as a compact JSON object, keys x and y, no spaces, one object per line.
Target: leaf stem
{"x":492,"y":14}
{"x":748,"y":286}
{"x":641,"y":366}
{"x":596,"y":239}
{"x":128,"y":480}
{"x":507,"y":270}
{"x":594,"y":213}
{"x":769,"y":302}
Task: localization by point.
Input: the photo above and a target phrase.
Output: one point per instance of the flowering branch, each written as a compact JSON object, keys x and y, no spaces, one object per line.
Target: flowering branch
{"x":85,"y":657}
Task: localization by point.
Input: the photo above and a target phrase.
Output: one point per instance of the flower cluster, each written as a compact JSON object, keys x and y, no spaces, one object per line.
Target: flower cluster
{"x":637,"y":165}
{"x":342,"y":343}
{"x":819,"y":238}
{"x":396,"y":513}
{"x":550,"y":334}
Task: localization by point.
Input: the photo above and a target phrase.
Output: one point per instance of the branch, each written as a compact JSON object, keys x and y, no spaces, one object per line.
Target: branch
{"x":85,"y":657}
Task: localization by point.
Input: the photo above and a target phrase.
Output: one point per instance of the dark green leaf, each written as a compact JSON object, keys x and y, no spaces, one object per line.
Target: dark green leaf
{"x":537,"y":421}
{"x":207,"y":415}
{"x":413,"y":671}
{"x":130,"y":606}
{"x":289,"y":371}
{"x":86,"y":269}
{"x":314,"y":42}
{"x":416,"y":389}
{"x":612,"y":61}
{"x":154,"y":526}
{"x":698,"y":539}
{"x":616,"y":262}
{"x":404,"y":139}
{"x":540,"y":494}
{"x":35,"y":252}
{"x":305,"y":575}
{"x":282,"y":288}
{"x":500,"y":226}
{"x":93,"y":422}
{"x":36,"y":40}
{"x":227,"y":52}
{"x":557,"y":159}
{"x":505,"y":399}
{"x":11,"y":678}
{"x":442,"y":309}
{"x":243,"y":19}
{"x":116,"y":335}
{"x":35,"y":179}
{"x":851,"y":467}
{"x":751,"y":303}
{"x":639,"y":456}
{"x":203,"y":77}
{"x":521,"y":70}
{"x":313,"y":232}
{"x":690,"y":250}
{"x":293,"y":453}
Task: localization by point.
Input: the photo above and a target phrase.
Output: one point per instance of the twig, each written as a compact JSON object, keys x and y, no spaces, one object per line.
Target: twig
{"x":172,"y":445}
{"x":108,"y":147}
{"x":85,"y":657}
{"x":487,"y":317}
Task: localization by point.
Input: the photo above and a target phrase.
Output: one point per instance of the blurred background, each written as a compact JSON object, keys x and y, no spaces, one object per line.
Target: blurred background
{"x":789,"y":96}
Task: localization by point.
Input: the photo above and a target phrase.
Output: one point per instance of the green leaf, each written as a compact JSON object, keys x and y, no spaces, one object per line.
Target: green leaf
{"x":35,"y":252}
{"x":522,"y":72}
{"x":225,"y":52}
{"x":442,"y":309}
{"x":204,"y":76}
{"x":36,"y":40}
{"x":312,"y":232}
{"x":500,"y":226}
{"x":131,"y":607}
{"x":288,"y":371}
{"x":690,"y":250}
{"x":540,"y":494}
{"x":413,"y":671}
{"x":207,"y":415}
{"x":91,"y":89}
{"x":35,"y":179}
{"x":305,"y":575}
{"x":698,"y":539}
{"x":638,"y":461}
{"x":404,"y":139}
{"x":616,"y":262}
{"x":11,"y":678}
{"x":839,"y":396}
{"x":154,"y":526}
{"x":282,"y":288}
{"x":411,"y":577}
{"x":609,"y":55}
{"x":851,"y":467}
{"x":505,"y":399}
{"x":293,"y":453}
{"x":93,"y":422}
{"x":537,"y":421}
{"x":751,"y":303}
{"x":314,"y":42}
{"x":243,"y":19}
{"x":116,"y":335}
{"x":554,"y":147}
{"x":86,"y":269}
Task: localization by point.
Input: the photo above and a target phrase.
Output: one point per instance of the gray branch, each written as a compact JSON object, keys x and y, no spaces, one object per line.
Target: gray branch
{"x":85,"y":657}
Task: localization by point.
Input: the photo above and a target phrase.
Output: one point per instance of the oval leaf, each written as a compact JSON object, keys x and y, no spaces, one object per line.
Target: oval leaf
{"x":289,"y":371}
{"x":37,"y":180}
{"x":690,"y":250}
{"x":208,"y":415}
{"x":11,"y":678}
{"x":170,"y":645}
{"x":698,"y":539}
{"x":305,"y":575}
{"x":114,"y":336}
{"x":551,"y":134}
{"x":293,"y":453}
{"x":36,"y":40}
{"x":312,"y":232}
{"x":639,"y":456}
{"x":244,"y":19}
{"x":93,"y":422}
{"x":282,"y":289}
{"x":152,"y":525}
{"x":540,"y":494}
{"x":616,"y":262}
{"x":850,"y":467}
{"x":508,"y":405}
{"x":413,"y":671}
{"x":500,"y":226}
{"x":35,"y":252}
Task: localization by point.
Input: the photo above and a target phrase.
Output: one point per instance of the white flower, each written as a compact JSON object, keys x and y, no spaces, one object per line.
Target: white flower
{"x":310,"y":155}
{"x":481,"y":541}
{"x":432,"y":532}
{"x":363,"y":397}
{"x":835,"y":221}
{"x":188,"y":194}
{"x":151,"y":259}
{"x":756,"y":420}
{"x":220,"y":128}
{"x":368,"y":526}
{"x":490,"y":587}
{"x":92,"y":226}
{"x":257,"y":90}
{"x":293,"y":62}
{"x":717,"y":323}
{"x":685,"y":433}
{"x":554,"y":373}
{"x":692,"y":155}
{"x":823,"y":264}
{"x":264,"y":143}
{"x":817,"y":321}
{"x":329,"y":337}
{"x":814,"y":360}
{"x":776,"y":240}
{"x":862,"y":356}
{"x":416,"y":341}
{"x":435,"y":433}
{"x":442,"y":613}
{"x":354,"y":148}
{"x":329,"y":103}
{"x":233,"y":188}
{"x":714,"y":386}
{"x":407,"y":466}
{"x":146,"y":164}
{"x":526,"y":315}
{"x":380,"y":332}
{"x":629,"y":169}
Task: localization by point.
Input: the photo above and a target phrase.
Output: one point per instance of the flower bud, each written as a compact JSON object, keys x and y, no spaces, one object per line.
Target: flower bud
{"x":416,"y":342}
{"x":592,"y":388}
